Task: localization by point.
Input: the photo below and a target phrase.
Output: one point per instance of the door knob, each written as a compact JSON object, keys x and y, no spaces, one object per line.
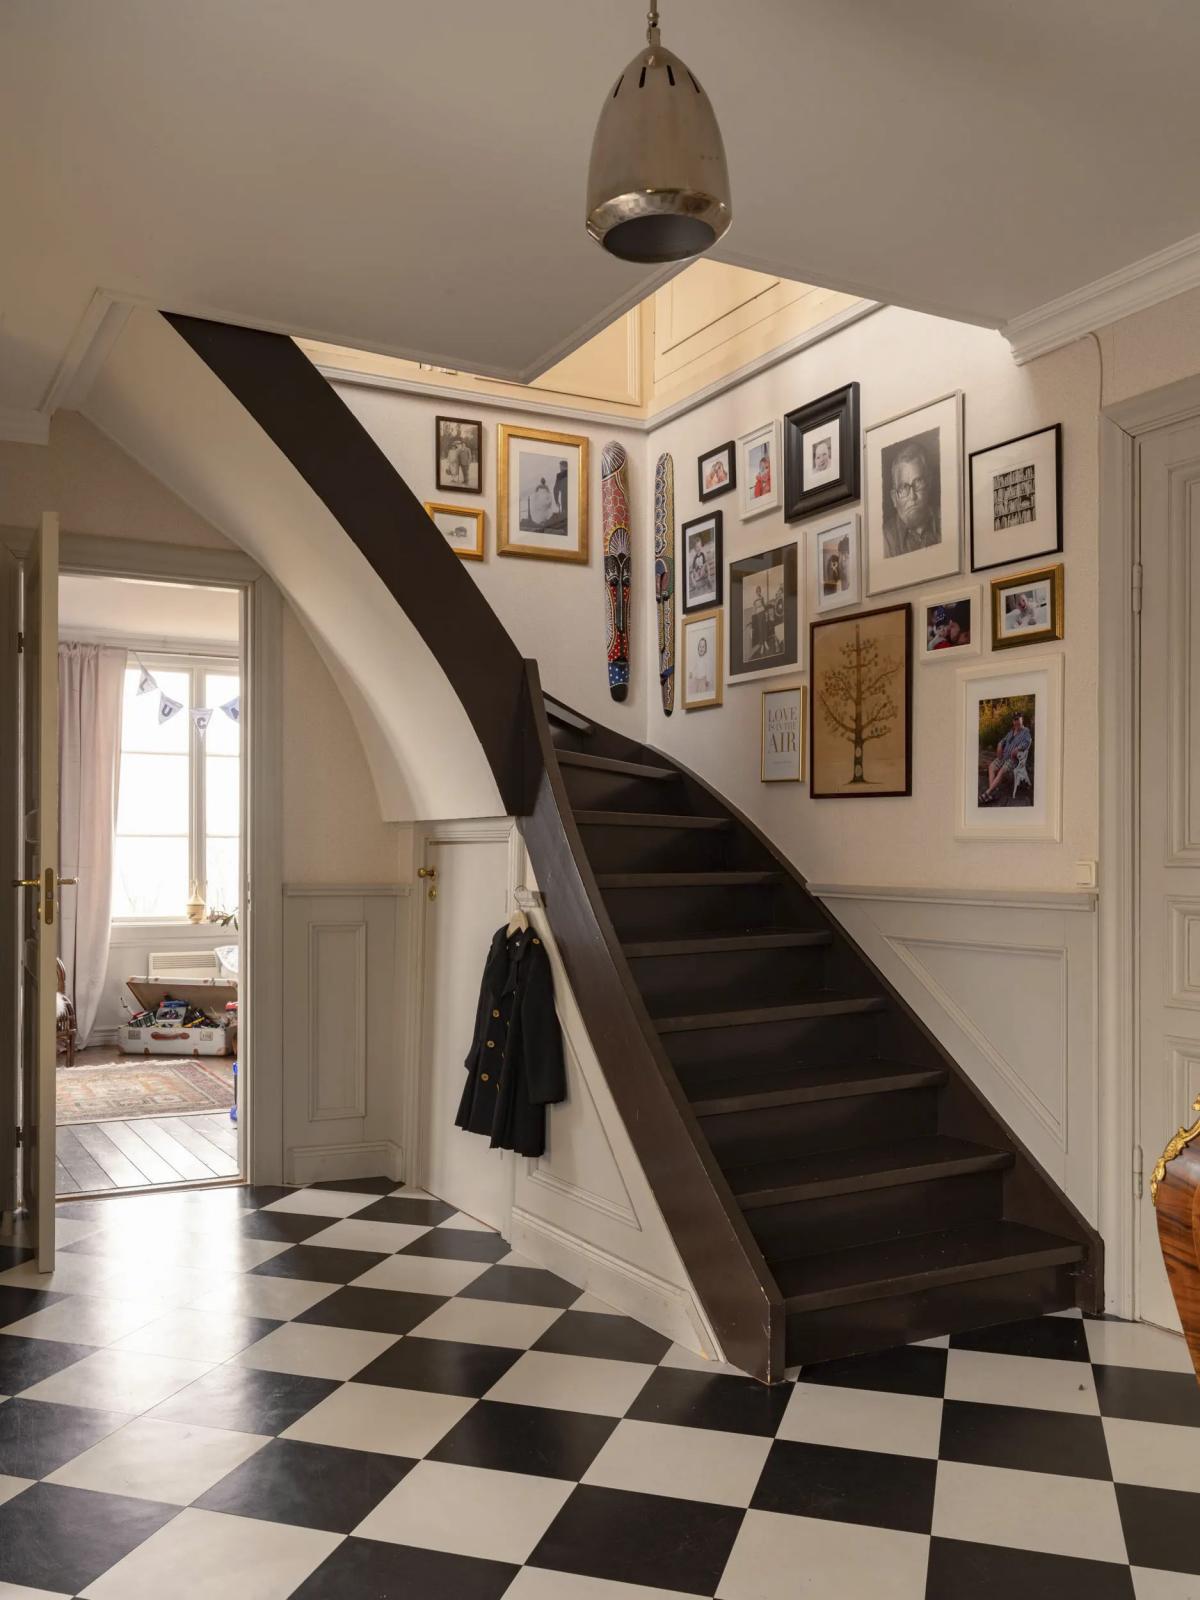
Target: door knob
{"x":27,"y":883}
{"x":429,"y":873}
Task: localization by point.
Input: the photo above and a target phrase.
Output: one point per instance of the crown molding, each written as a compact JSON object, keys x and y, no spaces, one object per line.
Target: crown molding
{"x":23,"y":427}
{"x":1142,"y":284}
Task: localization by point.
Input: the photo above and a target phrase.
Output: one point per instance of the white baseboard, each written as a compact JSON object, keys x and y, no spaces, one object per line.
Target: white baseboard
{"x":668,"y":1308}
{"x":319,"y":1163}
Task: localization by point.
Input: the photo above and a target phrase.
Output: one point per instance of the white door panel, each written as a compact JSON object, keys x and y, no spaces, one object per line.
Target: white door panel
{"x":10,"y":868}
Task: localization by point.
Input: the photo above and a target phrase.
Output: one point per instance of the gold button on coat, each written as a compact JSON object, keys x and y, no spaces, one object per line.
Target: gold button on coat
{"x":483,"y":1077}
{"x":495,"y":1013}
{"x":491,"y":1044}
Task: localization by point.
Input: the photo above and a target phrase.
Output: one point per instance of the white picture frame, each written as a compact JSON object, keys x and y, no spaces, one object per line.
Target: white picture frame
{"x":927,"y":625}
{"x":914,"y":496}
{"x":765,"y":601}
{"x":754,"y":499}
{"x":838,"y":540}
{"x":1015,"y":814}
{"x":783,"y":735}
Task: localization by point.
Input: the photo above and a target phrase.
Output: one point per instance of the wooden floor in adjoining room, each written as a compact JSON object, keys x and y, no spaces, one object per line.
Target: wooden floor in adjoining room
{"x":146,"y":1150}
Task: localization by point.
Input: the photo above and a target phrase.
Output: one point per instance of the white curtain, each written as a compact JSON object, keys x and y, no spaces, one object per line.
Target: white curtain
{"x":91,"y":681}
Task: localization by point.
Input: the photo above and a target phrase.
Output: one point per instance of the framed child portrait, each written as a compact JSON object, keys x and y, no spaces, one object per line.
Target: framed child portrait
{"x":702,"y":647}
{"x":759,"y":471}
{"x":701,"y":559}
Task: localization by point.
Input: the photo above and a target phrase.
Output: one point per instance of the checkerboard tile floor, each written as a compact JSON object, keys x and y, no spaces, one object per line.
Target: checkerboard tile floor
{"x":353,"y":1391}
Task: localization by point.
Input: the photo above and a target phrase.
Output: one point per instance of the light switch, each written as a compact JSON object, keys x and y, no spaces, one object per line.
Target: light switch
{"x":1085,"y":874}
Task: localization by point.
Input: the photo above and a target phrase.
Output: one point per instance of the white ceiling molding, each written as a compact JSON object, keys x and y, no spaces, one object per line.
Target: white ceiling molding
{"x":1143,"y":283}
{"x":24,"y":427}
{"x":97,"y":332}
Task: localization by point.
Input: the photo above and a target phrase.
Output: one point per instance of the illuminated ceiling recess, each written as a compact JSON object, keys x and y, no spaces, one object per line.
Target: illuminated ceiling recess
{"x":658,"y":185}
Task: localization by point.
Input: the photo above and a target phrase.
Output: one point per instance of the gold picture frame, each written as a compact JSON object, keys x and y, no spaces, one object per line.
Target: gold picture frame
{"x":473,"y":551}
{"x":793,"y":727}
{"x":710,"y":626}
{"x":516,"y":514}
{"x":1036,"y":594}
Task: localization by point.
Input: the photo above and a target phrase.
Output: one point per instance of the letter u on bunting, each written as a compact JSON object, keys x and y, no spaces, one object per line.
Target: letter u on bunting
{"x":614,"y":502}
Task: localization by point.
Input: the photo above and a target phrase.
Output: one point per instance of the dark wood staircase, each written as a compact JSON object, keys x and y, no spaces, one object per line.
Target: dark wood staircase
{"x":888,"y":1202}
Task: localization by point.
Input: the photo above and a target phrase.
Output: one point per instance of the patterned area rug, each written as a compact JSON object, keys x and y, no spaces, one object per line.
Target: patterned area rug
{"x":143,"y":1088}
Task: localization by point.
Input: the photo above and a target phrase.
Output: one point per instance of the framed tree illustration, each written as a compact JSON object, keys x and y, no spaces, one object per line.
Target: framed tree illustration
{"x":860,"y":718}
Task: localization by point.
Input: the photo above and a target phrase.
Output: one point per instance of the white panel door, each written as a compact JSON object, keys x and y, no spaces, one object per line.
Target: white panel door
{"x":471,"y":902}
{"x":10,"y":868}
{"x":1168,"y":946}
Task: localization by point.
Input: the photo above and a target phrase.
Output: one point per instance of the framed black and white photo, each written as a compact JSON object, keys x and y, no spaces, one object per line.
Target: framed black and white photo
{"x":1010,"y":740}
{"x":949,"y":625}
{"x":717,"y":471}
{"x":460,"y":526}
{"x":459,"y":452}
{"x":836,"y":563}
{"x":784,"y":735}
{"x":1016,"y":499}
{"x":1027,"y":608}
{"x":702,"y":652}
{"x":701,"y":559}
{"x":914,"y":496}
{"x":759,"y":471}
{"x":821,"y":454}
{"x":542,"y":494}
{"x":765,"y":633}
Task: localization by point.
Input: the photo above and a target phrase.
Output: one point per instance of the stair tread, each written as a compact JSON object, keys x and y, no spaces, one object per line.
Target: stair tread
{"x":652,"y":819}
{"x":820,"y":1003}
{"x":905,"y":1266}
{"x":873,"y":1166}
{"x":568,"y":719}
{"x":731,"y":1089}
{"x":630,"y":769}
{"x":685,"y":880}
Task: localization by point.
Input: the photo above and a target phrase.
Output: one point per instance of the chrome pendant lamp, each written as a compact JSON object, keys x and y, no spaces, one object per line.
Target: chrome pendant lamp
{"x":658,"y":186}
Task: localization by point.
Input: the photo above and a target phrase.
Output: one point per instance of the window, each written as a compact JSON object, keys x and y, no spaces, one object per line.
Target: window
{"x":179,"y":804}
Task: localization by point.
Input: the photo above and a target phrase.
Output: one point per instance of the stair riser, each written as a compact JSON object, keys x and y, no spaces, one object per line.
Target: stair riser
{"x":569,"y":739}
{"x":590,"y":789}
{"x":742,"y":977}
{"x":843,"y":1038}
{"x":902,"y":1319}
{"x":842,"y":1221}
{"x":744,"y":1137}
{"x":623,"y":849}
{"x":667,"y":913}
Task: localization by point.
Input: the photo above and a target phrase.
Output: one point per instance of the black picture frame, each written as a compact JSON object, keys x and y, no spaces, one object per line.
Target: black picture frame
{"x":843,"y":624}
{"x":1028,"y":551}
{"x":716,"y":596}
{"x":446,"y":483}
{"x":840,"y":406}
{"x":729,"y":451}
{"x":742,"y":667}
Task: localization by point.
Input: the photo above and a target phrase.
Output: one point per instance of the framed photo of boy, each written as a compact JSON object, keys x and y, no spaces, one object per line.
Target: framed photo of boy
{"x":784,"y":738}
{"x":460,"y":526}
{"x":759,"y":470}
{"x":542,"y":494}
{"x":837,"y":563}
{"x":860,"y":717}
{"x":765,"y":635}
{"x":702,"y":651}
{"x":1027,"y":608}
{"x":717,"y":471}
{"x":821,"y":454}
{"x":459,"y":452}
{"x":949,"y":625}
{"x":1016,"y":499}
{"x":914,"y":496}
{"x":1010,"y":741}
{"x":701,"y":557}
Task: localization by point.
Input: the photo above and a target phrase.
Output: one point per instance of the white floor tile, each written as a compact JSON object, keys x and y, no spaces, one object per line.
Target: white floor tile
{"x":682,"y":1463}
{"x":206,"y":1555}
{"x":1137,"y":1344}
{"x":572,"y":1383}
{"x":1155,"y":1454}
{"x":863,"y":1419}
{"x":1028,"y":1511}
{"x":119,"y":1380}
{"x":71,"y":1275}
{"x":469,"y":1511}
{"x":166,"y":1461}
{"x":159,"y":1280}
{"x":397,"y":1422}
{"x":690,"y":1361}
{"x":778,"y":1557}
{"x":315,"y":1352}
{"x":591,"y":1302}
{"x":539,"y":1583}
{"x":323,"y":1202}
{"x":421,"y":1275}
{"x":1021,"y":1381}
{"x":194,"y":1335}
{"x":277,"y":1298}
{"x":413,"y":1193}
{"x":88,"y":1319}
{"x":1148,"y":1584}
{"x":17,"y":1591}
{"x":12,"y":1486}
{"x":488,"y":1322}
{"x":460,"y":1219}
{"x":350,"y":1234}
{"x":69,"y":1230}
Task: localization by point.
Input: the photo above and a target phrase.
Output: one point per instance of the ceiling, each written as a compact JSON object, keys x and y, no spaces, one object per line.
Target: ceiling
{"x":409,"y":177}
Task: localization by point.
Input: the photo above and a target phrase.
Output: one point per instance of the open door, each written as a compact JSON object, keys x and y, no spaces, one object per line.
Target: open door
{"x":38,"y":887}
{"x":10,"y":868}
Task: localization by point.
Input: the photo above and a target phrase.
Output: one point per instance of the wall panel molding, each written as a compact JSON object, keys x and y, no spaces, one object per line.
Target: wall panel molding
{"x":542,"y":1172}
{"x":1183,"y":946}
{"x":337,"y":1020}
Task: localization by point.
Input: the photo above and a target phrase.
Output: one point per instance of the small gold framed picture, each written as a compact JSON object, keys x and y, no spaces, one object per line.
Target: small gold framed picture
{"x":703,"y":647}
{"x":784,"y":751}
{"x":542,"y":494}
{"x":460,"y":526}
{"x":1027,"y":608}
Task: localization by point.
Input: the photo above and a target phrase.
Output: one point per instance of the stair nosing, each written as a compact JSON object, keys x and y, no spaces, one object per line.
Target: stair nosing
{"x":717,"y":944}
{"x":757,"y":1016}
{"x":809,"y":1094}
{"x":927,"y":1171}
{"x":632,"y":769}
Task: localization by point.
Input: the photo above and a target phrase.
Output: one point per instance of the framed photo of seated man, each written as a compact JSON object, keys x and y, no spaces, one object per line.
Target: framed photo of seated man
{"x":1010,"y":743}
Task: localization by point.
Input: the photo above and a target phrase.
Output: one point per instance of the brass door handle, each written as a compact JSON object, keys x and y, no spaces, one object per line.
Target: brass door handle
{"x":429,"y":873}
{"x":62,"y":881}
{"x":27,"y":883}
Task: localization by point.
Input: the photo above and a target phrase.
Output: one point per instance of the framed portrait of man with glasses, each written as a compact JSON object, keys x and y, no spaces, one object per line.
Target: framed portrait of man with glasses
{"x":915,"y":496}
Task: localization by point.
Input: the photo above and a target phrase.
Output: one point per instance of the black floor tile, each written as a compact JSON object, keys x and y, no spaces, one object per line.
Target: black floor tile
{"x":16,"y":1302}
{"x":372,"y":1310}
{"x":418,"y":1213}
{"x":531,"y":1439}
{"x":289,"y":1227}
{"x":14,"y":1255}
{"x":910,"y":1369}
{"x":357,"y":1185}
{"x":864,"y":1486}
{"x":1161,"y":1527}
{"x":363,"y":1569}
{"x":458,"y":1244}
{"x":441,"y":1365}
{"x":645,"y":1539}
{"x":260,"y":1194}
{"x":523,"y":1286}
{"x":308,"y":1485}
{"x":319,"y":1263}
{"x":1024,"y":1438}
{"x":38,"y":1436}
{"x":711,"y":1400}
{"x":62,"y":1539}
{"x":245,"y":1400}
{"x":959,"y":1570}
{"x":1146,"y":1396}
{"x":596,"y":1333}
{"x":24,"y":1362}
{"x":1056,"y":1338}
